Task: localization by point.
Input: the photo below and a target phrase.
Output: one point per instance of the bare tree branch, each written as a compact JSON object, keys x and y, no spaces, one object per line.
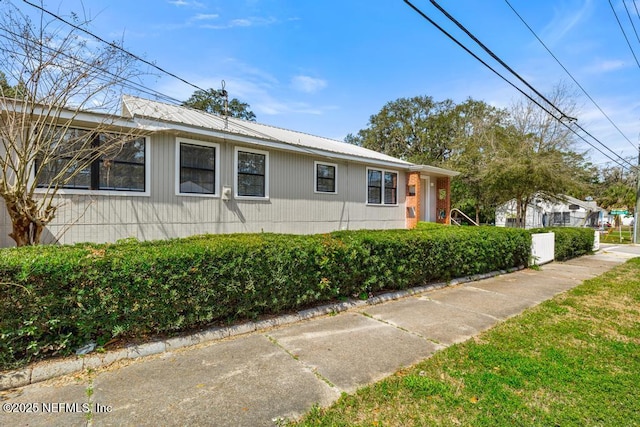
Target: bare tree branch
{"x":53,"y":76}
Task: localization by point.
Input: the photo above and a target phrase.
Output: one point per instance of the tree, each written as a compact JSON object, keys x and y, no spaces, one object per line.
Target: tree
{"x":478,"y":127}
{"x":501,"y":154}
{"x":418,"y":129}
{"x":536,"y":156}
{"x":5,"y":88}
{"x":53,"y":74}
{"x":616,"y":190}
{"x":213,"y":101}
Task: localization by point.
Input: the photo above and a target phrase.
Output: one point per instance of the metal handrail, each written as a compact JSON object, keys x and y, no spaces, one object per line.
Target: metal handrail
{"x":463,"y":214}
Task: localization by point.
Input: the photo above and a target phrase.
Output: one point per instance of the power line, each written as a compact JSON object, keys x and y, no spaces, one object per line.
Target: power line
{"x":636,"y":7}
{"x":560,"y":120}
{"x":631,"y":21}
{"x":596,"y":139}
{"x":563,"y":116}
{"x":613,"y":9}
{"x":494,"y":56}
{"x":166,"y":97}
{"x":125,"y":82}
{"x":501,"y":62}
{"x":113,"y":45}
{"x":137,"y":85}
{"x":569,"y":74}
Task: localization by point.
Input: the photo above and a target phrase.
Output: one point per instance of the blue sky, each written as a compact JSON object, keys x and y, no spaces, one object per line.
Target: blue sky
{"x":324,"y":67}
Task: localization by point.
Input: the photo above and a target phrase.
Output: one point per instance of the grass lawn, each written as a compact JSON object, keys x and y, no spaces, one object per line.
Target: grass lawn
{"x":571,"y":361}
{"x":613,"y":236}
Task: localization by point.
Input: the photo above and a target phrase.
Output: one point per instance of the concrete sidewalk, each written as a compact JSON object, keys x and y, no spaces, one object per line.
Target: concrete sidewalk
{"x":256,"y":378}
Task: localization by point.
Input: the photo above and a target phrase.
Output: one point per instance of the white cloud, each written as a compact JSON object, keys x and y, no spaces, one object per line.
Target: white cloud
{"x":243,"y":22}
{"x":240,"y":23}
{"x":307,"y":84}
{"x":273,"y":107}
{"x":606,"y":65}
{"x":565,"y":20}
{"x":205,"y":16}
{"x":184,"y":3}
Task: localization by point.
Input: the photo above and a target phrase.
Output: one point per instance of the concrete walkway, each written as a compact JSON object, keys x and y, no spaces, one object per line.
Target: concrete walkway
{"x":256,"y":378}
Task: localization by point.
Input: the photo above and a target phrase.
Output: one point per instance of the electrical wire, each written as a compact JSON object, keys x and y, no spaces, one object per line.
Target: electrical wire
{"x":559,"y":119}
{"x":113,"y":45}
{"x":631,"y":20}
{"x":162,"y":70}
{"x":147,"y":90}
{"x":636,"y":7}
{"x":569,"y":74}
{"x":496,"y":57}
{"x":501,"y":62}
{"x":613,"y":9}
{"x":238,"y":122}
{"x":129,"y":83}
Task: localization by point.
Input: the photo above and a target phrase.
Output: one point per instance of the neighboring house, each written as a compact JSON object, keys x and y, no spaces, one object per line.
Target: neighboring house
{"x":626,"y":219}
{"x":560,"y":211}
{"x":200,"y":173}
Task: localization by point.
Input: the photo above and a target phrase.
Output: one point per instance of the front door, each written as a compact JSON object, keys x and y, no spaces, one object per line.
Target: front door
{"x":425,"y":202}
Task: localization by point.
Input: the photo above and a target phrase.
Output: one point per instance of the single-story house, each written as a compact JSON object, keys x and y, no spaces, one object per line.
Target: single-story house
{"x":194,"y":172}
{"x":557,"y":211}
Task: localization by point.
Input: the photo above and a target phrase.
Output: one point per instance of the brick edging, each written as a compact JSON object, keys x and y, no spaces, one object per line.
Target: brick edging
{"x":44,"y":370}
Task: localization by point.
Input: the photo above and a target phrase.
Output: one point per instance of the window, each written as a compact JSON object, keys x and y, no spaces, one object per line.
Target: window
{"x":326,"y":175}
{"x":107,"y":163}
{"x":197,"y":168}
{"x":390,"y":188}
{"x":374,"y":187}
{"x":382,"y":187}
{"x":122,"y":167}
{"x":561,"y":218}
{"x":252,"y":173}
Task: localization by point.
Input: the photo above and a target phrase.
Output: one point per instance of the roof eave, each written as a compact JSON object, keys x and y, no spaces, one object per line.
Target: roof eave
{"x":432,"y":170}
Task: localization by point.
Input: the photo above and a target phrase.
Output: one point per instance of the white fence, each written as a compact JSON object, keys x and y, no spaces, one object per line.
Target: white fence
{"x":542,"y":248}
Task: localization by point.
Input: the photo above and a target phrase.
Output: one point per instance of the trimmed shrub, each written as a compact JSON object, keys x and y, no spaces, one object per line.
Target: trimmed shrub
{"x":430,"y":226}
{"x":56,"y":299}
{"x":570,"y":242}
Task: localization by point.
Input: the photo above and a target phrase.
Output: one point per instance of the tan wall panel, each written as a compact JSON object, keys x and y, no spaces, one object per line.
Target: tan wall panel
{"x":293,"y":206}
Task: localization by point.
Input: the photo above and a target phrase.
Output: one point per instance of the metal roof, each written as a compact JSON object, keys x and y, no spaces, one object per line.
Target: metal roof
{"x":585,"y":204}
{"x":166,"y":116}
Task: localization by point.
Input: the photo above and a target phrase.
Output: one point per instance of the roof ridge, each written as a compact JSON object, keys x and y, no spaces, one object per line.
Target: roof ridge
{"x":238,"y":119}
{"x":253,"y":129}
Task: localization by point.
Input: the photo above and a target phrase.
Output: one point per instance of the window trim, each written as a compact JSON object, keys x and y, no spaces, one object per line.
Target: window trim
{"x":315,"y":177}
{"x":235,"y":173}
{"x":88,"y":192}
{"x":382,"y":188}
{"x":178,"y":166}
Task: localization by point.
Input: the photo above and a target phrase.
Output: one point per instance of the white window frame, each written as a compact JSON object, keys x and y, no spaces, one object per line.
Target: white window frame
{"x":382,"y":203}
{"x":216,"y":146}
{"x":235,"y":173}
{"x":124,"y":193}
{"x":315,"y":177}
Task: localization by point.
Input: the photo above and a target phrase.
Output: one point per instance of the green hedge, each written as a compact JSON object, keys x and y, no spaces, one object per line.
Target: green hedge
{"x":570,"y":242}
{"x":56,"y":299}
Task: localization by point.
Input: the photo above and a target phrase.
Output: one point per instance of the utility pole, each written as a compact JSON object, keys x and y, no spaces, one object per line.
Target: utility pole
{"x":636,"y":229}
